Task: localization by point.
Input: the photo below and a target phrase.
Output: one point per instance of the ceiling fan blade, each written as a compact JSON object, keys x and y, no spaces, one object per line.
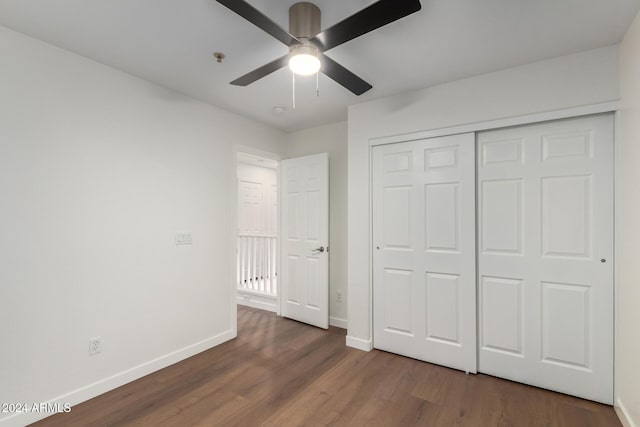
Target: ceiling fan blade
{"x":343,"y":76}
{"x":260,"y":20}
{"x":259,"y":73}
{"x":368,"y":19}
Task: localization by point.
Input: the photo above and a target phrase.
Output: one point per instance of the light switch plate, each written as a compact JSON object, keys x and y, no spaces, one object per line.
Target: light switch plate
{"x":183,"y":238}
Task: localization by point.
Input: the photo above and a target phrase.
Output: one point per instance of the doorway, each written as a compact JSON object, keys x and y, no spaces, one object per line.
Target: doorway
{"x":257,"y":231}
{"x":298,"y":289}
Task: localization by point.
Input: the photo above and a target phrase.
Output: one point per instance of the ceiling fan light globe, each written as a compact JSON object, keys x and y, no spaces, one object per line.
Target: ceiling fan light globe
{"x":304,"y":64}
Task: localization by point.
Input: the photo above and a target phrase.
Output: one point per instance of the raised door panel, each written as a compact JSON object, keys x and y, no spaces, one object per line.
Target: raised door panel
{"x":440,"y":157}
{"x":565,"y":324}
{"x":501,"y":315}
{"x":443,"y":308}
{"x":294,"y":215}
{"x":313,"y":204}
{"x":501,"y":217}
{"x":313,"y":286}
{"x":293,"y":270}
{"x":397,"y":217}
{"x":502,"y":151}
{"x":566,"y":216}
{"x":251,"y":209}
{"x":563,"y":145}
{"x":398,"y":289}
{"x":442,"y":217}
{"x":394,"y":163}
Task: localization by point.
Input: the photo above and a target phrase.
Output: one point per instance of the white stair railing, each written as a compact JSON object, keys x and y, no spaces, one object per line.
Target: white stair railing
{"x":256,"y":263}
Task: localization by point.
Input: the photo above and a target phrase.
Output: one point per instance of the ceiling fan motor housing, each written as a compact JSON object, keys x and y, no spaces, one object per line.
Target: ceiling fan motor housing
{"x":304,"y":23}
{"x":304,"y":20}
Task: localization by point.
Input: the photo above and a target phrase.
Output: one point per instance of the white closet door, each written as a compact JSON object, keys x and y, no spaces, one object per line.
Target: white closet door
{"x":546,"y":255}
{"x":424,"y":250}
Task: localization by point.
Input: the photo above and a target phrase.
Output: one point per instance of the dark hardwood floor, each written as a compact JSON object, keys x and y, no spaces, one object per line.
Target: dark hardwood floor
{"x":282,"y":373}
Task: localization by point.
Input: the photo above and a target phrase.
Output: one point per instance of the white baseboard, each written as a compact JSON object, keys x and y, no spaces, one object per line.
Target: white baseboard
{"x":338,"y":322}
{"x":257,"y":301}
{"x":623,"y":414}
{"x":92,"y":390}
{"x":359,"y":343}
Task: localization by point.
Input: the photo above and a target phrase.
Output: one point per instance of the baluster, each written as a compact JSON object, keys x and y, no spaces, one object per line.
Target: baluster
{"x":243,"y":246}
{"x":249,"y":262}
{"x":247,"y":268}
{"x":257,"y":287}
{"x":274,"y":244}
{"x":261,"y":270}
{"x":258,"y":263}
{"x":248,"y":265}
{"x":266,"y":265}
{"x":241,"y":261}
{"x":254,"y":255}
{"x":267,"y":276}
{"x":273,"y":266}
{"x":256,"y":275}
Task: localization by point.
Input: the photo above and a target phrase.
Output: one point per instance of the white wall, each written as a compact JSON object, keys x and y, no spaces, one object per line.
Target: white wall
{"x":628,"y":230}
{"x":98,"y":170}
{"x":576,"y":80}
{"x":331,"y":139}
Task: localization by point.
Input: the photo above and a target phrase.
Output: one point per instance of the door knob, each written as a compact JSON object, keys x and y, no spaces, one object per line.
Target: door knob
{"x":320,"y":249}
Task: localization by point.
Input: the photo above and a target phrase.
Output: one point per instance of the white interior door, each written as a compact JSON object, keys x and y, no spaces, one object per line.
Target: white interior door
{"x":424,"y":250}
{"x":546,"y":255}
{"x":305,"y":236}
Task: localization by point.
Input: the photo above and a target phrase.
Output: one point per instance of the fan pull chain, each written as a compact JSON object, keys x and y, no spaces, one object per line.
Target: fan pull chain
{"x":317,"y":84}
{"x":293,"y":79}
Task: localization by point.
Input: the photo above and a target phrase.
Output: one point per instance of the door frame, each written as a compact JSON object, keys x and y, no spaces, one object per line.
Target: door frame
{"x":233,"y":232}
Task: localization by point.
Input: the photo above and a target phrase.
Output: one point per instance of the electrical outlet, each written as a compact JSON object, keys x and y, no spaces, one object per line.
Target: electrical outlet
{"x":338,"y":296}
{"x":95,"y":346}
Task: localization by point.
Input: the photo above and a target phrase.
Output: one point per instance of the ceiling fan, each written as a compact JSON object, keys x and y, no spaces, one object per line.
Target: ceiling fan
{"x":307,"y":42}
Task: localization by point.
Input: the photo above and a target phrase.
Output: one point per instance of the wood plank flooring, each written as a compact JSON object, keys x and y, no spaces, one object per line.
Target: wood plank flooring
{"x":282,"y":373}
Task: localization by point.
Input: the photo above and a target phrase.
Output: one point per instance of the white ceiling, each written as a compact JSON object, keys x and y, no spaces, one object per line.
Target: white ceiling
{"x":171,"y":42}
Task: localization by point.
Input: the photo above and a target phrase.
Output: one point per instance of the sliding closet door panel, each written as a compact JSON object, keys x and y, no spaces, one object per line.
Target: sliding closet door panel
{"x":424,"y":250}
{"x":545,"y":256}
